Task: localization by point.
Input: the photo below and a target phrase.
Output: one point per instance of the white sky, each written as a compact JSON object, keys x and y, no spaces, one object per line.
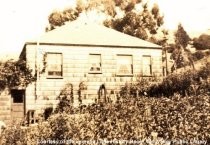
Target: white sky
{"x":25,"y":19}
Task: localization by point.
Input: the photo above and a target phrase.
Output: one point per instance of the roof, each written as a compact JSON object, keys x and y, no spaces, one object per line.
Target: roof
{"x":81,"y":33}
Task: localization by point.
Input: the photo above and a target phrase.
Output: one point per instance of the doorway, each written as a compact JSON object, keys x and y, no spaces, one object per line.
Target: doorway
{"x":18,"y":104}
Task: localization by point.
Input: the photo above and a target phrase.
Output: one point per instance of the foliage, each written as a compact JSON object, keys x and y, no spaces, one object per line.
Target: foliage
{"x":180,"y":54}
{"x":140,"y":22}
{"x":104,"y":6}
{"x":82,"y":87}
{"x":15,"y":74}
{"x":198,"y":55}
{"x":48,"y":112}
{"x":13,"y":134}
{"x":102,"y":93}
{"x":58,"y":18}
{"x":182,"y":58}
{"x":66,"y":99}
{"x":138,"y":89}
{"x":186,"y":83}
{"x":202,"y":42}
{"x":144,"y":23}
{"x":174,"y":118}
{"x":181,"y":37}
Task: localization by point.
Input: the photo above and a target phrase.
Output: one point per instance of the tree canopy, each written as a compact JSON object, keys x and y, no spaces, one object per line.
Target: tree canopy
{"x":181,"y":37}
{"x":143,"y":23}
{"x":15,"y":74}
{"x":133,"y":17}
{"x":202,"y":42}
{"x":57,"y":18}
{"x":180,"y":54}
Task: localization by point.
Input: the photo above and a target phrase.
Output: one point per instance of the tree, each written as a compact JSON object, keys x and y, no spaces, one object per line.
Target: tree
{"x":135,"y":19}
{"x":144,"y":23}
{"x":181,"y":37}
{"x":57,"y":18}
{"x":15,"y":74}
{"x":180,"y":54}
{"x":202,"y":42}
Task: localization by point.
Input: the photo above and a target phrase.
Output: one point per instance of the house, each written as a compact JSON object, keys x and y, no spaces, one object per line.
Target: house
{"x":84,"y":52}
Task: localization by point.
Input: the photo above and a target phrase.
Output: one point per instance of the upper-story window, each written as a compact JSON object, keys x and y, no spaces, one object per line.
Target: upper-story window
{"x":124,"y":64}
{"x":54,"y":64}
{"x":147,"y":65}
{"x":95,"y":63}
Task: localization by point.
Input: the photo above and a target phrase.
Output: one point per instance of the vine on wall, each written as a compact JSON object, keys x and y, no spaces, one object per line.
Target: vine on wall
{"x":44,"y":63}
{"x":82,"y":87}
{"x":66,"y":99}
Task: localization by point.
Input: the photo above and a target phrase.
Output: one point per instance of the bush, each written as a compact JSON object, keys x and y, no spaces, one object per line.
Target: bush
{"x":138,"y":89}
{"x":198,"y":55}
{"x":174,"y":118}
{"x":186,"y":83}
{"x":47,"y":112}
{"x":66,"y":99}
{"x":15,"y":74}
{"x":13,"y":134}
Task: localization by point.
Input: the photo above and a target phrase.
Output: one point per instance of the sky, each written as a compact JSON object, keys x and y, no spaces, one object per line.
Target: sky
{"x":25,"y":19}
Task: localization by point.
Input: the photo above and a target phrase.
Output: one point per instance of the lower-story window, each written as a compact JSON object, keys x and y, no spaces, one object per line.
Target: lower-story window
{"x":147,"y":65}
{"x":95,"y":63}
{"x":124,"y":65}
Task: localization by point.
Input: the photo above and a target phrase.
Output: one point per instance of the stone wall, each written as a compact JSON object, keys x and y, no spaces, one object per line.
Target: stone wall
{"x":76,"y":69}
{"x":5,"y":106}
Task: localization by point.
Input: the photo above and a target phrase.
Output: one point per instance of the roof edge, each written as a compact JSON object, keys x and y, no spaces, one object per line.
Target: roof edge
{"x":90,"y":45}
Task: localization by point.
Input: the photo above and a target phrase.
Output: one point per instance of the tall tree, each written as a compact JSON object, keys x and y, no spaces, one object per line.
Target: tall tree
{"x":133,"y":17}
{"x":58,"y":18}
{"x":138,"y":20}
{"x":181,"y":37}
{"x":181,"y":55}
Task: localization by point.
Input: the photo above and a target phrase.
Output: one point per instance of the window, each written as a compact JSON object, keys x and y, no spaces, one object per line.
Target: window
{"x":95,"y":63}
{"x":124,"y":65}
{"x":54,"y":64}
{"x":18,"y":96}
{"x":147,"y":65}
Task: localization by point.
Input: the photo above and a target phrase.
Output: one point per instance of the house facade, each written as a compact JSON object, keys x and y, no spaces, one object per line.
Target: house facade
{"x":84,"y":52}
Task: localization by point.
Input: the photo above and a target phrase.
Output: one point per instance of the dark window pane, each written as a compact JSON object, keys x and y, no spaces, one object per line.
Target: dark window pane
{"x":18,"y":96}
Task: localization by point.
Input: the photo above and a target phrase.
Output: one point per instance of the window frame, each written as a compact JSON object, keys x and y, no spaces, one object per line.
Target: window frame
{"x":150,"y":66}
{"x":90,"y":64}
{"x":47,"y":67}
{"x":117,"y":65}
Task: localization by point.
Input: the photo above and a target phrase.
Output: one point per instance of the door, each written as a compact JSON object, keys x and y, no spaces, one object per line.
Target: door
{"x":18,"y":104}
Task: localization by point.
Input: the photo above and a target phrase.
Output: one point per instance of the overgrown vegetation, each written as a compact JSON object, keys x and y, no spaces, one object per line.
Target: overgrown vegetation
{"x":175,"y":118}
{"x":135,"y":115}
{"x":15,"y":74}
{"x":191,"y":82}
{"x":202,"y":42}
{"x":66,"y":99}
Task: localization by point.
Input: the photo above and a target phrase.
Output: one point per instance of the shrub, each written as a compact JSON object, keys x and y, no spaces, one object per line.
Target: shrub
{"x":47,"y":112}
{"x":138,"y":89}
{"x":174,"y":118}
{"x":14,"y":74}
{"x":198,"y":55}
{"x":82,"y":87}
{"x":13,"y":134}
{"x":66,"y":99}
{"x":182,"y":83}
